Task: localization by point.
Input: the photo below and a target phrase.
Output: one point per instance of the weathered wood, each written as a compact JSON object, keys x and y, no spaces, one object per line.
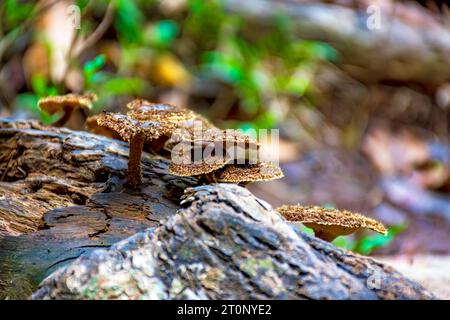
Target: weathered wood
{"x":63,"y":197}
{"x":225,"y":243}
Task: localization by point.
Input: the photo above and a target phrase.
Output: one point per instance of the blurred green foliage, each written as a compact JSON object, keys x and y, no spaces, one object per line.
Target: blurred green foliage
{"x":17,"y":13}
{"x":364,"y":244}
{"x":205,"y":41}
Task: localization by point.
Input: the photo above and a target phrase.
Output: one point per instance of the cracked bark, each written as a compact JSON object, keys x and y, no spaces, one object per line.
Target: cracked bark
{"x":62,"y":195}
{"x":222,"y":243}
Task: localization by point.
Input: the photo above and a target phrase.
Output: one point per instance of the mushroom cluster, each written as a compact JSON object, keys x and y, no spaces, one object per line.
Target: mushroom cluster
{"x":224,"y":156}
{"x":166,"y":127}
{"x":67,"y":104}
{"x":330,"y":223}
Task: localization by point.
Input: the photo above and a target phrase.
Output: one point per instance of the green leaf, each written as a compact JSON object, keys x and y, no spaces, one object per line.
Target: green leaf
{"x":162,"y":33}
{"x":120,"y":86}
{"x":29,"y":102}
{"x":39,"y":85}
{"x":129,"y":21}
{"x":369,"y":243}
{"x":91,"y":67}
{"x":347,"y":243}
{"x":16,"y":12}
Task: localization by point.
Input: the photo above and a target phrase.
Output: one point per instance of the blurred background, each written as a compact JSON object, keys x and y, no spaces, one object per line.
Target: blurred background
{"x":359,"y":89}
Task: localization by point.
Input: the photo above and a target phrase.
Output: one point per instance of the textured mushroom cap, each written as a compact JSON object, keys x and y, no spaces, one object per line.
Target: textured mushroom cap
{"x":128,"y":127}
{"x":263,"y":171}
{"x":330,"y":221}
{"x":94,"y":127}
{"x":54,"y":104}
{"x":210,"y":135}
{"x":148,"y":111}
{"x":197,"y":168}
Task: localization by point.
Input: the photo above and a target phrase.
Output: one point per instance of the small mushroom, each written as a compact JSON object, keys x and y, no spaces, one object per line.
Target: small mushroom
{"x":68,"y":104}
{"x":217,"y":141}
{"x":180,"y":118}
{"x":244,"y":173}
{"x":210,"y":135}
{"x":93,"y":126}
{"x":330,"y":223}
{"x":144,"y":110}
{"x":196,"y":168}
{"x":136,"y":132}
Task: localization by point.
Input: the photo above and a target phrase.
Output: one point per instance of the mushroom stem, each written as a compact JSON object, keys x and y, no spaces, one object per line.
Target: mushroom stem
{"x":66,"y":116}
{"x":134,"y":162}
{"x":324,"y":236}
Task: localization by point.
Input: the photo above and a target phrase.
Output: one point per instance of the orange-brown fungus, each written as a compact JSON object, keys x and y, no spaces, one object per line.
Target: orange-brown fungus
{"x":136,"y":132}
{"x":66,"y":103}
{"x":236,"y":173}
{"x":330,"y":223}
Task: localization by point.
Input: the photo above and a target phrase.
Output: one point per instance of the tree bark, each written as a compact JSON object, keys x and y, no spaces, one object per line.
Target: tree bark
{"x":64,"y":207}
{"x":62,"y":195}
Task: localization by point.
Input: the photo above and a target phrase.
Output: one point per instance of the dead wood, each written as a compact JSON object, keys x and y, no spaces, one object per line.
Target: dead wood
{"x":62,"y":196}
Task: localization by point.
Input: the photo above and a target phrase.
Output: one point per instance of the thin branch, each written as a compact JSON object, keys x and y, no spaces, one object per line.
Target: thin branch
{"x":73,"y":41}
{"x":99,"y":32}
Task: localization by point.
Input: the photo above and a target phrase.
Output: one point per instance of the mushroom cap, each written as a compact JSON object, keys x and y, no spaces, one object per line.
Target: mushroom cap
{"x":207,"y":136}
{"x":235,"y":173}
{"x":54,"y":104}
{"x":220,"y":141}
{"x":94,"y":127}
{"x":331,"y":222}
{"x":197,"y":168}
{"x":127,"y":127}
{"x":147,"y":111}
{"x":179,"y":118}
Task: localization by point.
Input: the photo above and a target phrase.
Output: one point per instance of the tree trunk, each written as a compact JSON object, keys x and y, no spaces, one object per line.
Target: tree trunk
{"x":62,"y":195}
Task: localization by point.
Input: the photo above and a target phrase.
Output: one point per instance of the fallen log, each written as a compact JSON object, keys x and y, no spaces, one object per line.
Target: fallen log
{"x":390,"y":41}
{"x":62,"y":197}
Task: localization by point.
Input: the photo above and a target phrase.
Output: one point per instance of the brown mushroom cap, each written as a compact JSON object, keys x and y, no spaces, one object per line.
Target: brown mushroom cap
{"x":137,"y":133}
{"x":127,"y":127}
{"x":145,"y":110}
{"x":197,"y":168}
{"x":235,"y":173}
{"x":54,"y":104}
{"x":93,"y":126}
{"x":330,"y":223}
{"x":225,"y":139}
{"x":218,"y":140}
{"x":180,"y":118}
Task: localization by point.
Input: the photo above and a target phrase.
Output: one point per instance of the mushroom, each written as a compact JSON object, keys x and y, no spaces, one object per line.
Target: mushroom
{"x":330,"y":223}
{"x":136,"y":132}
{"x":94,"y":127}
{"x":68,"y":104}
{"x":144,"y":110}
{"x":244,"y":173}
{"x":218,"y":168}
{"x":196,"y":168}
{"x":180,"y":118}
{"x":213,"y":141}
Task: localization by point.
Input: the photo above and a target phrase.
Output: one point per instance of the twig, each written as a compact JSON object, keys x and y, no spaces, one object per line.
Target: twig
{"x":98,"y":33}
{"x":74,"y":40}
